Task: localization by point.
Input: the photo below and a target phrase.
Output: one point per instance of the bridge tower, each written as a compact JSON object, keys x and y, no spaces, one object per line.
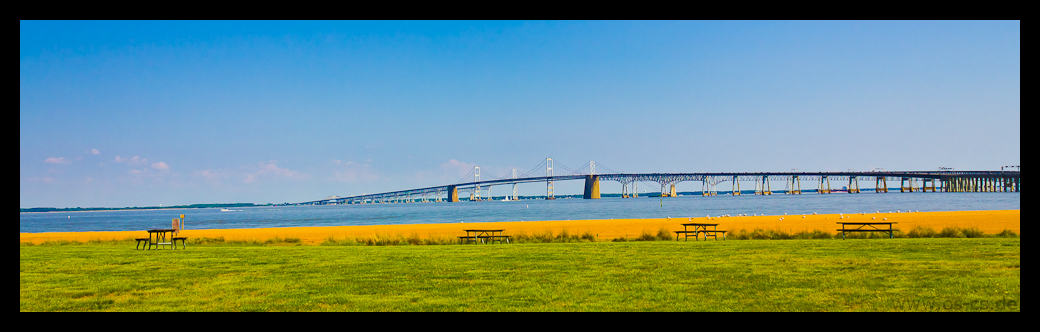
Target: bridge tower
{"x":476,"y":179}
{"x":736,"y":187}
{"x":549,"y":182}
{"x":514,"y":185}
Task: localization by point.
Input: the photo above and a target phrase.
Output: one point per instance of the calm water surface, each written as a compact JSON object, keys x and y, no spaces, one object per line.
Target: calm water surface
{"x":560,"y":209}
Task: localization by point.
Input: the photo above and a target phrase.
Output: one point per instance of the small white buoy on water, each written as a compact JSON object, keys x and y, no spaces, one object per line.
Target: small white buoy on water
{"x":70,"y":217}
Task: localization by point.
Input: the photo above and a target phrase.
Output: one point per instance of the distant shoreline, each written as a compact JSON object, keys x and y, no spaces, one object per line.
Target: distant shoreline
{"x":96,"y":209}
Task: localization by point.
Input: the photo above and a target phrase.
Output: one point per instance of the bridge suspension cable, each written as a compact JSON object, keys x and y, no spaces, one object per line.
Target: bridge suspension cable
{"x":465,"y":177}
{"x":535,"y":169}
{"x":556,"y":163}
{"x":608,"y":169}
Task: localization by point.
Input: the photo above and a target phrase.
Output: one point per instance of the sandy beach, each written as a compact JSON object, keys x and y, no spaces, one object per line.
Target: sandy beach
{"x":989,"y":222}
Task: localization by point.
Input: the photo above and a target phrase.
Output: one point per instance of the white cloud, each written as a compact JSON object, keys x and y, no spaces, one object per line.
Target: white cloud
{"x":134,"y":160}
{"x":56,"y":160}
{"x":160,"y":166}
{"x":457,"y":168}
{"x":270,"y":170}
{"x":353,"y":172}
{"x":95,"y":151}
{"x":212,"y":176}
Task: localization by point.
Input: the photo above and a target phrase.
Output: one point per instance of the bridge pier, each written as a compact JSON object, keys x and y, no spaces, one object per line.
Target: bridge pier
{"x":762,"y":186}
{"x":453,"y":193}
{"x":591,"y":187}
{"x":794,"y":185}
{"x":825,"y":185}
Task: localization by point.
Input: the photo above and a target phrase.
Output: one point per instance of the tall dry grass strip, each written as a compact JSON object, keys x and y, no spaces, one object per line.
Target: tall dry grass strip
{"x":988,"y":222}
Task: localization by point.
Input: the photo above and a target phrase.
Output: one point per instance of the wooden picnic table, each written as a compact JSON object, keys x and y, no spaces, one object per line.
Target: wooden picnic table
{"x":866,"y":226}
{"x":699,"y":228}
{"x":158,"y":238}
{"x":484,"y":236}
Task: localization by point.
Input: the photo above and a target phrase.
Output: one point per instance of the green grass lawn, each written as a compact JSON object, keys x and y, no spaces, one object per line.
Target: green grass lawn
{"x":908,"y":274}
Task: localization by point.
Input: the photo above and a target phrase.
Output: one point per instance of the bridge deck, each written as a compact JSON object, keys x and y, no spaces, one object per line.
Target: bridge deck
{"x":673,"y":178}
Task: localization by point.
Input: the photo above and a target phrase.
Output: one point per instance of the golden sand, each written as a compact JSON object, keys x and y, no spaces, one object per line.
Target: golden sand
{"x":989,"y":222}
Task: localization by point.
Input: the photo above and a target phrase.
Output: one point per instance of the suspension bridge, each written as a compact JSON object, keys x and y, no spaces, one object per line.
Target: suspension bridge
{"x":940,"y":180}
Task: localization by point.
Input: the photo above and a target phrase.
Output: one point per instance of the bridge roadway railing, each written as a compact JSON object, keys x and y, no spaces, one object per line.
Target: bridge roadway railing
{"x":956,"y":180}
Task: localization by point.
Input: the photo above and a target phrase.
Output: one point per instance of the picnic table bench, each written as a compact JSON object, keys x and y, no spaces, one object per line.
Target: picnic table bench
{"x":699,"y":228}
{"x":484,"y":236}
{"x":867,"y":227}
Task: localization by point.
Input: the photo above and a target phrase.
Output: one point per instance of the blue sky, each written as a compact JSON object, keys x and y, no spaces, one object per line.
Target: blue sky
{"x":131,"y":113}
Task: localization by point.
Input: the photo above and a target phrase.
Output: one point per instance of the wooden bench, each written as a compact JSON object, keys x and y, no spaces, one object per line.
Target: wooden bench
{"x":182,"y":239}
{"x":493,"y":238}
{"x":484,"y":238}
{"x":687,"y":233}
{"x":714,"y":234}
{"x":144,"y":240}
{"x":696,"y":235}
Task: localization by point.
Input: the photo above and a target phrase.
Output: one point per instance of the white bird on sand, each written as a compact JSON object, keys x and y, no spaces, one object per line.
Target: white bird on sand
{"x":885,"y":219}
{"x":814,"y":213}
{"x":872,"y":218}
{"x":803,"y":217}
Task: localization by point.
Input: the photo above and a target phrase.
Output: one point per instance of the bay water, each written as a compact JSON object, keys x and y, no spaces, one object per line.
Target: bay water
{"x":521,"y":210}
